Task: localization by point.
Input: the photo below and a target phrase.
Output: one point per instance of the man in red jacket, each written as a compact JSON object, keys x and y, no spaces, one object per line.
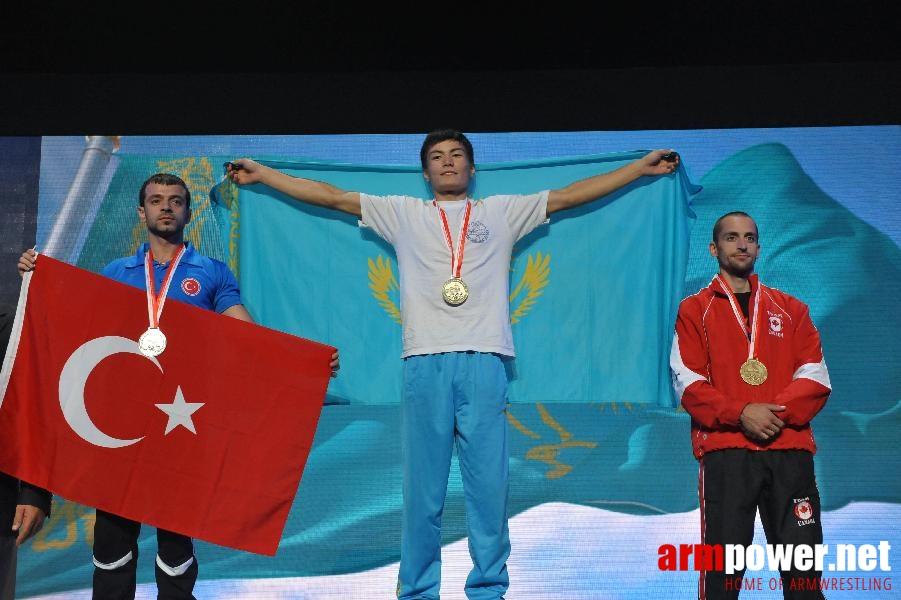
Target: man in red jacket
{"x":748,"y":367}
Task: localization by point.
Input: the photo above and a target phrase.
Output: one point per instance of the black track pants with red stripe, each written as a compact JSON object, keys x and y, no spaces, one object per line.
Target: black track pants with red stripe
{"x":733,"y":485}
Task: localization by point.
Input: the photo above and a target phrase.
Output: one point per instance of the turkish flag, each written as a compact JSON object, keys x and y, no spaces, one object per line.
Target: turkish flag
{"x":208,"y":439}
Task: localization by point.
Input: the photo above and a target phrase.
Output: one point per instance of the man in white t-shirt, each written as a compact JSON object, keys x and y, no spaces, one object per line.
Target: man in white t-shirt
{"x":453,"y":256}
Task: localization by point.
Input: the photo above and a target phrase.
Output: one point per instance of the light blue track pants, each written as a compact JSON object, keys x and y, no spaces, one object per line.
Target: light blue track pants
{"x":454,"y":398}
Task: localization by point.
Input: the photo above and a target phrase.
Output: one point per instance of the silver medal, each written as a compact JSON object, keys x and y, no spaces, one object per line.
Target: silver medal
{"x":152,"y":342}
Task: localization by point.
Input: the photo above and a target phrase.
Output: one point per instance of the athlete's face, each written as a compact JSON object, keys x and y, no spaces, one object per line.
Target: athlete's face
{"x":165,"y":210}
{"x":448,"y":168}
{"x":736,"y":247}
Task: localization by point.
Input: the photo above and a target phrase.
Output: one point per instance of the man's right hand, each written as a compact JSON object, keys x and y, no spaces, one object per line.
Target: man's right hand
{"x":26,"y":261}
{"x":759,"y":421}
{"x":27,"y":522}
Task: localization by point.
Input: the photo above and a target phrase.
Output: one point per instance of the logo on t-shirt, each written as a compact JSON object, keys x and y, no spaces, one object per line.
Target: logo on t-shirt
{"x":477,"y":232}
{"x":190,"y":286}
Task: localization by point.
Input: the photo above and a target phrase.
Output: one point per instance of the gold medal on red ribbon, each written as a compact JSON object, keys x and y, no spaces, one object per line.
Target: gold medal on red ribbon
{"x":152,"y":342}
{"x":753,"y":372}
{"x":454,"y":290}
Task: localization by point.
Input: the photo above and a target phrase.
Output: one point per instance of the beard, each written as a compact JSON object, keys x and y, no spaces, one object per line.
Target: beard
{"x":166,"y":229}
{"x":735,"y":269}
{"x":171,"y":231}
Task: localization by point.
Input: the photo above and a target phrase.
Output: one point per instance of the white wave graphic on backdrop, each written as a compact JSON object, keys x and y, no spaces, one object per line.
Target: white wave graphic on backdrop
{"x":569,"y":552}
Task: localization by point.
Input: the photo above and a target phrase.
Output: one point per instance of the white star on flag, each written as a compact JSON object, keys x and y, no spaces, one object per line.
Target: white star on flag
{"x":180,"y":412}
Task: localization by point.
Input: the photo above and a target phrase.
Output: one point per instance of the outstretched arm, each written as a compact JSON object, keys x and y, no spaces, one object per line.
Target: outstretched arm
{"x":303,"y":190}
{"x":592,"y":188}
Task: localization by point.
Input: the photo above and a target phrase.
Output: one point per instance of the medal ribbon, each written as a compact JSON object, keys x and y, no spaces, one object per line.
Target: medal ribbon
{"x":156,"y":301}
{"x":456,"y":259}
{"x":736,"y":310}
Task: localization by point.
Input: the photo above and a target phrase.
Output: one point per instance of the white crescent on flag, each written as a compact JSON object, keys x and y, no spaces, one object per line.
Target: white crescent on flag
{"x":72,"y":382}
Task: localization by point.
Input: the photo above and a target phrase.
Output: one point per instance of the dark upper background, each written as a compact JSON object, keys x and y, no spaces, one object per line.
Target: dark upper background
{"x":314,"y":66}
{"x":330,"y":67}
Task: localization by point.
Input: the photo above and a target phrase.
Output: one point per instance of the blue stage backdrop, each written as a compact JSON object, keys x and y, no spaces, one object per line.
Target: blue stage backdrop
{"x":601,"y":469}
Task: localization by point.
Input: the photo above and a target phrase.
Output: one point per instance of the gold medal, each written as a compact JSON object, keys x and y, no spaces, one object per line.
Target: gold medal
{"x":455,"y":291}
{"x":753,"y":372}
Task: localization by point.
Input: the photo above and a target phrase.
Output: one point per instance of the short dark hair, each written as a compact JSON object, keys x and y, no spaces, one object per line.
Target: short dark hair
{"x":718,"y":226}
{"x":164,"y":179}
{"x":440,"y":135}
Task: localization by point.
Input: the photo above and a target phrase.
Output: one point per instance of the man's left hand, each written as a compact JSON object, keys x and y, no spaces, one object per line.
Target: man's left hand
{"x":653,"y":163}
{"x":334,"y":364}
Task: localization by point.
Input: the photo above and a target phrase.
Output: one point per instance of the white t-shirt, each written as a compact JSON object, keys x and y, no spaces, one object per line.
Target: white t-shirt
{"x":413,"y":226}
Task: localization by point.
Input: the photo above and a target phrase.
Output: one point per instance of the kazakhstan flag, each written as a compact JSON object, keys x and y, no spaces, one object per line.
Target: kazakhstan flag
{"x":593,"y":296}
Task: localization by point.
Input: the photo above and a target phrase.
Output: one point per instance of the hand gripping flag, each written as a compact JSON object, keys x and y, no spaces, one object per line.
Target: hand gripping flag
{"x":208,"y":439}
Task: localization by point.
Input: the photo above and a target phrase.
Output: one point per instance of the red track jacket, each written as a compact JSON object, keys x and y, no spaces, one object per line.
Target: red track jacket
{"x":710,"y":346}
